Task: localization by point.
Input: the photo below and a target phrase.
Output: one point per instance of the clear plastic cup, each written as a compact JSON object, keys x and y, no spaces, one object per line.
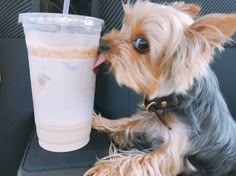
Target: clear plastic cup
{"x":62,"y":50}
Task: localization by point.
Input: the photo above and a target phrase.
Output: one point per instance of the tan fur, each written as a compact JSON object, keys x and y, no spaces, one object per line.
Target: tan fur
{"x":216,"y":28}
{"x":167,"y":160}
{"x":191,"y":9}
{"x":180,"y":50}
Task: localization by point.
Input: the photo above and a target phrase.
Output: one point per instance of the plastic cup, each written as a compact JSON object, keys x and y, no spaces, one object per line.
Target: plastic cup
{"x":62,"y":50}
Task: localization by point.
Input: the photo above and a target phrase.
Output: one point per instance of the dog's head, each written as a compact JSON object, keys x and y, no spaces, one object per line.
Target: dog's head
{"x":161,"y":49}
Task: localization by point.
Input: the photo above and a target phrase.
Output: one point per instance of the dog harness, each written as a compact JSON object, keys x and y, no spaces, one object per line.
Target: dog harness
{"x":160,"y":106}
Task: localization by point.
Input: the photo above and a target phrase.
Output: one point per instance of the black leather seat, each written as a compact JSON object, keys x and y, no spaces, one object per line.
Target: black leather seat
{"x":16,"y":110}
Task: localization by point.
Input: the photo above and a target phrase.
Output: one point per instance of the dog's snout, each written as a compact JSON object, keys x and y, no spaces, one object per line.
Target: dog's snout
{"x":104,"y":46}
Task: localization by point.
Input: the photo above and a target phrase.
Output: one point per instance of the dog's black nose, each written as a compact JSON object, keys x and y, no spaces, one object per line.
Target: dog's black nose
{"x":104,"y":47}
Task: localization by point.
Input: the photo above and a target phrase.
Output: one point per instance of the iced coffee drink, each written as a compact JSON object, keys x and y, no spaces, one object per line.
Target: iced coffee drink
{"x":62,"y":50}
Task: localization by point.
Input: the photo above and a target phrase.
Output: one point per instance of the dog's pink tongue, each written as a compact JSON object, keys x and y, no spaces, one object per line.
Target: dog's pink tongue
{"x":100,"y":60}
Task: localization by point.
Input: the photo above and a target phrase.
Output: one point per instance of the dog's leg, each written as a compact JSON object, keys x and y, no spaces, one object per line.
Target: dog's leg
{"x":124,"y":130}
{"x":112,"y":126}
{"x":160,"y":162}
{"x":134,"y":164}
{"x":166,"y":160}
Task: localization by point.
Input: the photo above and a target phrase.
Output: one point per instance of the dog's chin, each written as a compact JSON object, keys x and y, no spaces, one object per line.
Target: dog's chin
{"x":108,"y":66}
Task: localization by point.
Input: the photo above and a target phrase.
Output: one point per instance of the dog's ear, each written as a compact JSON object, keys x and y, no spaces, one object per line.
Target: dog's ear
{"x":215,"y":28}
{"x":190,"y":9}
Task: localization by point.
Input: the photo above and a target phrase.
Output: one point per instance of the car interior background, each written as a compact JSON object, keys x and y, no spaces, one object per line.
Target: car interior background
{"x":16,"y":108}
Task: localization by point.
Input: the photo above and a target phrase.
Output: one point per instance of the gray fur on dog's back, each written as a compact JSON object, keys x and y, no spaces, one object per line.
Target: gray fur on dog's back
{"x":213,"y":130}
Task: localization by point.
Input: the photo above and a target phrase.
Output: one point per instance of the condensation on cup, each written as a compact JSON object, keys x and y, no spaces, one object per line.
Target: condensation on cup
{"x":62,"y":50}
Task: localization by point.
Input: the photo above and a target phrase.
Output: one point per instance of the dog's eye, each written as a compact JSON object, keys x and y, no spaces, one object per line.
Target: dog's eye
{"x":140,"y":44}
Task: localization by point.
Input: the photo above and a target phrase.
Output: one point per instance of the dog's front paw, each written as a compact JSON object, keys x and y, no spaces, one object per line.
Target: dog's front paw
{"x":101,"y":124}
{"x":96,"y":123}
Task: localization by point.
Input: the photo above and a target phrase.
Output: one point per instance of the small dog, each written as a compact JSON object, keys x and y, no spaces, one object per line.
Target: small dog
{"x":163,"y":53}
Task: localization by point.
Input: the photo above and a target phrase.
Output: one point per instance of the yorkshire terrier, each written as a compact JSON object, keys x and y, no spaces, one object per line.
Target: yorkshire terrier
{"x":163,"y":53}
